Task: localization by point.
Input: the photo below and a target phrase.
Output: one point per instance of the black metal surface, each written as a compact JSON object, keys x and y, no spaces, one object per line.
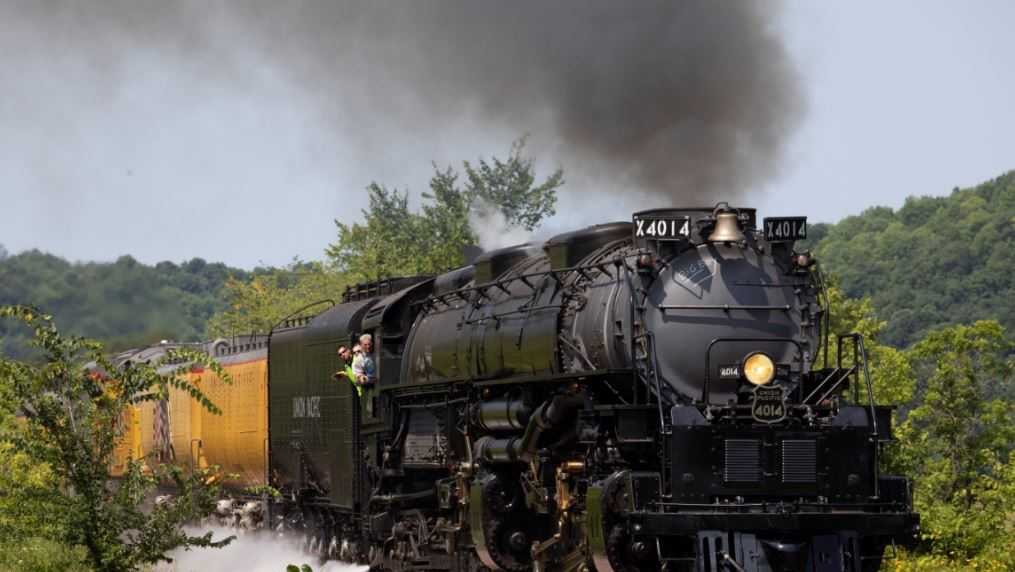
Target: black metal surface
{"x":389,"y":320}
{"x":509,"y":331}
{"x":314,"y":454}
{"x":380,"y":288}
{"x":898,"y":525}
{"x":492,"y":265}
{"x":724,"y":551}
{"x":770,"y":462}
{"x":704,"y":297}
{"x":569,"y":249}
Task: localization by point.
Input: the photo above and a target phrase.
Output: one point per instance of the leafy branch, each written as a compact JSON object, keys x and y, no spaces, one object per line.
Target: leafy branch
{"x":72,"y":405}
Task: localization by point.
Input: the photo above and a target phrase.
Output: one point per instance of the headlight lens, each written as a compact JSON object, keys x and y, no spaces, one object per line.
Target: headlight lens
{"x":759,"y":369}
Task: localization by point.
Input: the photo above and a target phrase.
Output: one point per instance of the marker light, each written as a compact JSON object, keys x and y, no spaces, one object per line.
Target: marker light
{"x":759,"y":368}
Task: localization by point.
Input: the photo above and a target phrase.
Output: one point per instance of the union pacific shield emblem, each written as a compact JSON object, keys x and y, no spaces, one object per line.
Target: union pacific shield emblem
{"x":769,"y":404}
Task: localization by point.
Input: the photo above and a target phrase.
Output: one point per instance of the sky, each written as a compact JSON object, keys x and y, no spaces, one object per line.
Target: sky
{"x":906,"y":98}
{"x":178,"y":133}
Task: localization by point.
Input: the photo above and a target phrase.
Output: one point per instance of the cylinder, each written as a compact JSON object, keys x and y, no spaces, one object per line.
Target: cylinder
{"x":502,"y":415}
{"x":493,"y":450}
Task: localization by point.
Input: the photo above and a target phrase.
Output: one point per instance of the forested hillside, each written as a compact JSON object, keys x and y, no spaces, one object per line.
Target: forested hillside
{"x":124,"y":303}
{"x":935,"y":261}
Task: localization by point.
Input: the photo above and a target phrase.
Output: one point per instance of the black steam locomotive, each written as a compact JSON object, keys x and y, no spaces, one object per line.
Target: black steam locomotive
{"x":655,"y":394}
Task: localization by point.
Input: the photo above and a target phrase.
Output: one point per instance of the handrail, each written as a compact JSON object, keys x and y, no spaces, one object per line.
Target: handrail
{"x":195,"y":459}
{"x":860,"y":358}
{"x":554,"y":274}
{"x":827,"y":313}
{"x":724,"y":307}
{"x":297,"y":312}
{"x":870,"y":386}
{"x":843,"y":375}
{"x":874,"y":418}
{"x":654,"y":365}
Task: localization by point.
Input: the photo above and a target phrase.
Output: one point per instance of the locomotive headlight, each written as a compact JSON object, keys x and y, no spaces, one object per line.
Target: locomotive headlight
{"x":759,"y":369}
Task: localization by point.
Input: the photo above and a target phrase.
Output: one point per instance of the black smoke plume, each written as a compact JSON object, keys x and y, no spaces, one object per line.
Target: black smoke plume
{"x":686,"y":100}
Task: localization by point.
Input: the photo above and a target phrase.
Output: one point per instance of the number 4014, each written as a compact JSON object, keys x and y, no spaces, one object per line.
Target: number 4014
{"x":663,"y":228}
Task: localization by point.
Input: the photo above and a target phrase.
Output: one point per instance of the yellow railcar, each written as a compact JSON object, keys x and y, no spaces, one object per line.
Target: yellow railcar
{"x":129,"y":446}
{"x":236,"y":440}
{"x":185,"y":428}
{"x":179,"y":430}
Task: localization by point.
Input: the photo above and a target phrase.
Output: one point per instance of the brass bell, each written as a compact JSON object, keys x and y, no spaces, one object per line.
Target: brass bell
{"x":727,"y":228}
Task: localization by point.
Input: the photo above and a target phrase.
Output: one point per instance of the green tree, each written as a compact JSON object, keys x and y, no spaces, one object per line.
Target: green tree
{"x":122,"y":304}
{"x":30,"y":514}
{"x":64,"y":442}
{"x":255,"y":306}
{"x":935,"y":261}
{"x":393,"y":240}
{"x":958,"y":439}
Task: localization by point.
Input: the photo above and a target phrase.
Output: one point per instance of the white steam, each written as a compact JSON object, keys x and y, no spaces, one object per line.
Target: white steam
{"x":250,"y":552}
{"x":492,"y":229}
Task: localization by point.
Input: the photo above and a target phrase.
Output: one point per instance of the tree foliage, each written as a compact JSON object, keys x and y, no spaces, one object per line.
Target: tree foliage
{"x":255,"y":306}
{"x":393,"y":240}
{"x":955,"y":429}
{"x":387,"y":243}
{"x":935,"y":261}
{"x":62,"y":445}
{"x":958,"y":438}
{"x":123,"y":304}
{"x":30,"y":514}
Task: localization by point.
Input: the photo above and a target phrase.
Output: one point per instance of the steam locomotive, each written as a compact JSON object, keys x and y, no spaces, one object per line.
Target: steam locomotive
{"x":656,"y":394}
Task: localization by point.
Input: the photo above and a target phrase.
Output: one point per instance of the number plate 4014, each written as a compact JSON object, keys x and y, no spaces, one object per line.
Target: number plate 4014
{"x":785,"y":229}
{"x":662,"y":228}
{"x":769,"y":404}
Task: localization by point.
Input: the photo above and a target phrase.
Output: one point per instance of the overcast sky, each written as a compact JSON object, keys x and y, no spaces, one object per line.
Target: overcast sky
{"x":172,"y":145}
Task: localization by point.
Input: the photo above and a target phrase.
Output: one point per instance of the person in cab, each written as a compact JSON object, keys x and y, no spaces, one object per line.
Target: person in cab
{"x":363,"y":365}
{"x":347,"y":356}
{"x":365,"y":370}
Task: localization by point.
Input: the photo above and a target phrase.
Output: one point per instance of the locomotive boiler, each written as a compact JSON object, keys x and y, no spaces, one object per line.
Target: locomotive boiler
{"x":655,"y":394}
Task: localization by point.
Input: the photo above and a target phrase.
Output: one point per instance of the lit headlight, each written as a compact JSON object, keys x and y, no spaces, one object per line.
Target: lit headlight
{"x":759,"y":369}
